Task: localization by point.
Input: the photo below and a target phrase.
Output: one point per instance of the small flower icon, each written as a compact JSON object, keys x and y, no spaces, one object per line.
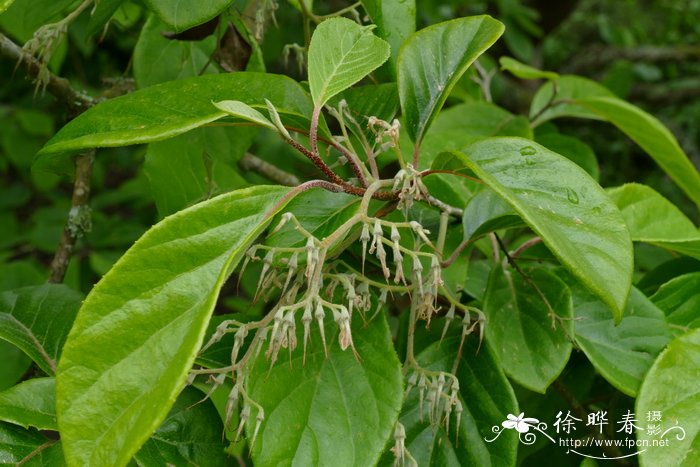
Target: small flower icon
{"x":521,"y":424}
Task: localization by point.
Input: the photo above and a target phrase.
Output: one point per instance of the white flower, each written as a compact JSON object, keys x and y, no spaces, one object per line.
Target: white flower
{"x":522,"y":425}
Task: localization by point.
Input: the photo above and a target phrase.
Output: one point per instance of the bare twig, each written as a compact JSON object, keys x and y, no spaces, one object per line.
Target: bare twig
{"x":252,"y":162}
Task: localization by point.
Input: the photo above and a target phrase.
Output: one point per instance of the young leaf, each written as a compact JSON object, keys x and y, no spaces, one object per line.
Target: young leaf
{"x":671,"y":389}
{"x":335,"y":410}
{"x":138,"y":332}
{"x":650,"y":135}
{"x":679,"y":298}
{"x":523,"y":71}
{"x":31,"y":403}
{"x":532,"y":344}
{"x":622,"y":353}
{"x":37,"y":320}
{"x":182,"y":14}
{"x":569,"y":210}
{"x":244,"y":111}
{"x":432,"y":60}
{"x":169,"y":109}
{"x":341,"y":53}
{"x":651,"y":218}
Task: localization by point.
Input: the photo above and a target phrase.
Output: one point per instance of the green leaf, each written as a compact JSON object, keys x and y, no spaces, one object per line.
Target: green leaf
{"x":488,"y":212}
{"x":679,"y":298}
{"x":622,"y":353}
{"x":31,"y":403}
{"x":37,"y":320}
{"x":651,"y":218}
{"x":574,"y":149}
{"x":395,"y":20}
{"x":563,"y":205}
{"x":432,"y":60}
{"x":650,"y":135}
{"x":245,"y":112}
{"x":523,"y":71}
{"x":15,"y":364}
{"x":16,"y":444}
{"x":556,"y":99}
{"x":341,"y":53}
{"x":169,"y":109}
{"x":5,"y":4}
{"x":532,"y":343}
{"x":196,"y":165}
{"x":486,"y":396}
{"x":335,"y":411}
{"x":464,"y":124}
{"x":139,"y":329}
{"x":671,"y":388}
{"x":189,"y":435}
{"x":184,"y":14}
{"x":158,"y":59}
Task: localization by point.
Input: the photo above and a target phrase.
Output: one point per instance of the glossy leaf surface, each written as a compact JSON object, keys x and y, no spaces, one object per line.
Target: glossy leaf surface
{"x":16,"y":444}
{"x":532,"y":344}
{"x":169,"y":109}
{"x":487,"y":398}
{"x":622,"y":353}
{"x":556,"y":99}
{"x":37,"y":320}
{"x":183,"y":14}
{"x":671,"y":388}
{"x":138,"y":332}
{"x":523,"y":71}
{"x":487,"y":212}
{"x":432,"y":60}
{"x":577,"y":221}
{"x":341,"y":53}
{"x":332,"y":411}
{"x":651,"y":218}
{"x":395,"y":20}
{"x":652,"y":136}
{"x":189,"y":435}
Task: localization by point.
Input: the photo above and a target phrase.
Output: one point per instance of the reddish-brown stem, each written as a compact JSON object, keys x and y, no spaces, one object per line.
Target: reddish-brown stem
{"x":313,"y":130}
{"x":318,"y":162}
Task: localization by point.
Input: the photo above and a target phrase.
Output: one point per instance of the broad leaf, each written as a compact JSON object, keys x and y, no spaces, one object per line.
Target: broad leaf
{"x":169,"y":109}
{"x":651,"y":218}
{"x":196,"y":165}
{"x":17,"y":444}
{"x":189,"y":435}
{"x":158,"y":59}
{"x":245,"y":112}
{"x":183,"y":14}
{"x":31,"y":403}
{"x":531,"y":337}
{"x":395,"y":20}
{"x":524,"y":71}
{"x":679,"y":298}
{"x":432,"y":60}
{"x":464,"y":124}
{"x":650,"y":135}
{"x":341,"y":53}
{"x":622,"y":353}
{"x":564,"y":206}
{"x":138,"y":332}
{"x":488,"y":212}
{"x":486,"y":396}
{"x":574,"y":149}
{"x":15,"y":364}
{"x":37,"y":320}
{"x":671,"y":388}
{"x":556,"y":99}
{"x":335,"y":411}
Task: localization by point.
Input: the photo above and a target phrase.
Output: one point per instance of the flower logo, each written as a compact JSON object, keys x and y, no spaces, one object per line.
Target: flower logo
{"x":521,"y":424}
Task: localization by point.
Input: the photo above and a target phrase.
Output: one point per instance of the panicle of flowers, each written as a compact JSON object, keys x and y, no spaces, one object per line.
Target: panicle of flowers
{"x":438,"y":396}
{"x":410,"y":183}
